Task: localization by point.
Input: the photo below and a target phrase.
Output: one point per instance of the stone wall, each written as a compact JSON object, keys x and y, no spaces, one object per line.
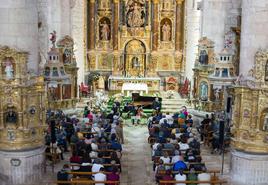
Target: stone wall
{"x":217,"y":18}
{"x":253,"y":31}
{"x":52,"y":15}
{"x":19,"y":29}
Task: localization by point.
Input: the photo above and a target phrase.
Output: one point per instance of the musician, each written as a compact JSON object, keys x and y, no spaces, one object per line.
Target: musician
{"x":156,"y":104}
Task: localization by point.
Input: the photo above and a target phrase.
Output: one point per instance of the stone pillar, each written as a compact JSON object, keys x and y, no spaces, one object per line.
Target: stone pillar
{"x":19,"y":28}
{"x":192,"y":34}
{"x":91,"y":25}
{"x":155,"y":25}
{"x":22,"y":167}
{"x":78,"y":21}
{"x":253,"y":36}
{"x":115,"y":25}
{"x":179,"y":26}
{"x":250,"y":152}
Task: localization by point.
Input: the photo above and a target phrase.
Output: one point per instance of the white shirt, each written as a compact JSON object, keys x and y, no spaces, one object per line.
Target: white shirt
{"x":165,"y":159}
{"x":204,"y":177}
{"x":170,"y":119}
{"x":183,"y":146}
{"x":96,"y":167}
{"x":175,"y":159}
{"x":154,"y":147}
{"x":179,"y":177}
{"x":100,"y":177}
{"x":94,"y":146}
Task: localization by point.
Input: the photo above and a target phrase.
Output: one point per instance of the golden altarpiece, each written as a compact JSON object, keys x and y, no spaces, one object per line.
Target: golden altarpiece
{"x":60,"y":73}
{"x":213,"y":74}
{"x":137,"y":41}
{"x":22,"y":118}
{"x":250,"y":109}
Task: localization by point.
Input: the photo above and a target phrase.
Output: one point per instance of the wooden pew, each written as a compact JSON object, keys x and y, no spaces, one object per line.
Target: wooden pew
{"x":194,"y":182}
{"x":83,"y":182}
{"x":87,"y":173}
{"x":214,"y":172}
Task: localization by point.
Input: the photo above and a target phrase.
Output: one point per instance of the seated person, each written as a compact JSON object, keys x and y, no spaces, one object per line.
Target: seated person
{"x":176,"y":157}
{"x":204,"y":176}
{"x":167,"y":177}
{"x":114,"y":176}
{"x":97,"y":166}
{"x":158,"y":170}
{"x":173,"y":139}
{"x":166,"y":160}
{"x":100,"y":176}
{"x":179,"y":165}
{"x":63,"y":175}
{"x":86,"y":163}
{"x":180,"y":177}
{"x":192,"y":176}
{"x":75,"y":159}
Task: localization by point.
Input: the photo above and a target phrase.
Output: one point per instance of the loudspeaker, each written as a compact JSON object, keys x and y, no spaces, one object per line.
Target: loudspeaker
{"x":221,"y":133}
{"x":53,"y":131}
{"x":228,"y":108}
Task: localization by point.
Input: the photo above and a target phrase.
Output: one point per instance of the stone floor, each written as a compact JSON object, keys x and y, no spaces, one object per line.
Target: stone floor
{"x":136,"y":160}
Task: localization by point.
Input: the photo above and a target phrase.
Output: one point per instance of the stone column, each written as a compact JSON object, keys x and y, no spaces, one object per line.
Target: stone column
{"x":192,"y":33}
{"x":19,"y":28}
{"x":253,"y":36}
{"x":115,"y":25}
{"x":91,"y":23}
{"x":179,"y":26}
{"x":155,"y":25}
{"x":250,"y":152}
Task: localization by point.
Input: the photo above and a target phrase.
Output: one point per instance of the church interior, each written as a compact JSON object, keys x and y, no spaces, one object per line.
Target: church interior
{"x":133,"y":92}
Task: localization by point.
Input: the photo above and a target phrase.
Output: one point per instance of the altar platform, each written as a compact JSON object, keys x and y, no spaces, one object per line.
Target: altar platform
{"x":116,"y":82}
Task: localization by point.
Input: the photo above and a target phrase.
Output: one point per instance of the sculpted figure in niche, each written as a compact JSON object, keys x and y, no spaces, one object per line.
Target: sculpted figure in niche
{"x":204,"y":91}
{"x":105,"y":31}
{"x":135,"y":13}
{"x":217,"y":94}
{"x":203,"y":58}
{"x":11,"y":117}
{"x":53,"y":38}
{"x":9,"y":69}
{"x":166,"y":30}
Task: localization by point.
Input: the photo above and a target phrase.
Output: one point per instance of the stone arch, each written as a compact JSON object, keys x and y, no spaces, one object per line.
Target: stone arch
{"x":166,"y":29}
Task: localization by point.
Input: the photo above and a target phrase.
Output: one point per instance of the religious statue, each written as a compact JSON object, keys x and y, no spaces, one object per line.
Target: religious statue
{"x":67,"y":56}
{"x":217,"y":94}
{"x":135,"y":14}
{"x":204,"y":92}
{"x":53,"y":38}
{"x":203,"y":58}
{"x":135,"y":62}
{"x":11,"y":117}
{"x":166,"y":31}
{"x":105,"y":31}
{"x":9,"y":69}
